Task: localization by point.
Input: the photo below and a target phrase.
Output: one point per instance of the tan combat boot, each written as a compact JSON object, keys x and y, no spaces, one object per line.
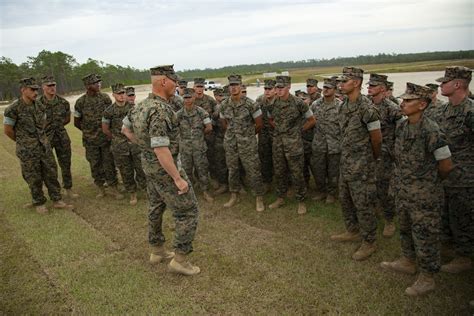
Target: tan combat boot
{"x":424,"y":284}
{"x":330,"y":199}
{"x":133,"y":198}
{"x":457,"y":265}
{"x":180,"y":265}
{"x":389,"y":229}
{"x":259,"y":204}
{"x":71,"y":194}
{"x":207,"y":197}
{"x":222,"y":189}
{"x":159,"y":253}
{"x":101,"y":192}
{"x":234,"y":199}
{"x":402,"y":264}
{"x":115,"y":192}
{"x":41,"y":209}
{"x":365,"y":251}
{"x":61,"y":205}
{"x":347,"y":236}
{"x":319,"y":196}
{"x":278,"y":203}
{"x":301,"y":208}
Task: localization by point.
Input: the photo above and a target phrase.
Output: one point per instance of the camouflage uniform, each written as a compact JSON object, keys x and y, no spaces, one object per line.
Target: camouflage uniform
{"x":192,"y":147}
{"x":265,"y":140}
{"x":326,"y":145}
{"x":125,"y":153}
{"x":309,"y":134}
{"x":220,"y":165}
{"x":434,"y":110}
{"x":57,"y":110}
{"x":176,"y":102}
{"x":32,"y":146}
{"x":154,"y":125}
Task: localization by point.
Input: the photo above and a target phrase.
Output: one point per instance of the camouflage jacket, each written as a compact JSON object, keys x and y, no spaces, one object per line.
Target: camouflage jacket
{"x":154,"y":124}
{"x":191,"y":127}
{"x":434,"y":110}
{"x":90,"y":110}
{"x":240,"y":119}
{"x":356,"y":120}
{"x":416,"y":151}
{"x":265,"y":106}
{"x":314,"y":97}
{"x":394,"y":100}
{"x":113,"y":116}
{"x":29,"y":124}
{"x":176,"y":102}
{"x":217,"y":128}
{"x":390,"y":116}
{"x":210,"y":105}
{"x":57,"y":110}
{"x":327,"y":132}
{"x":458,"y":124}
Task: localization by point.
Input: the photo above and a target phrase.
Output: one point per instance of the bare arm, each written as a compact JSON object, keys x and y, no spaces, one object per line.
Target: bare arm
{"x":207,"y":128}
{"x":310,"y":122}
{"x":224,"y":123}
{"x":376,"y":141}
{"x":258,"y":124}
{"x":166,"y":161}
{"x":9,"y":131}
{"x":445,"y":166}
{"x":271,"y":122}
{"x":106,"y":130}
{"x":77,"y":123}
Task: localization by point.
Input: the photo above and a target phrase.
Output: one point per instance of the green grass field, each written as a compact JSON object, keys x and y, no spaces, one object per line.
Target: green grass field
{"x":94,"y":260}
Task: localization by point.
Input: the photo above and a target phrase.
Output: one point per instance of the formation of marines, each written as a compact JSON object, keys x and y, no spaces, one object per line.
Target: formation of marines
{"x":413,"y":159}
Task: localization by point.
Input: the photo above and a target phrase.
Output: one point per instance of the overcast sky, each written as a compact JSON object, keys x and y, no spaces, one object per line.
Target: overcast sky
{"x":200,"y":34}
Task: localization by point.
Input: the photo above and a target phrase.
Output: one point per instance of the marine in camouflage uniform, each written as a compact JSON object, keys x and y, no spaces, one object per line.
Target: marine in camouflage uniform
{"x":326,"y":145}
{"x":88,"y":112}
{"x":389,"y":93}
{"x":25,"y":122}
{"x":390,"y":116}
{"x":265,"y":102}
{"x":360,"y":145}
{"x":421,"y":154}
{"x":312,"y":89}
{"x":126,"y":154}
{"x":220,"y":166}
{"x":182,"y":84}
{"x":307,"y":135}
{"x":194,"y":123}
{"x":130,"y":93}
{"x":242,"y":119}
{"x":286,"y":116}
{"x":436,"y":105}
{"x":58,"y":114}
{"x":153,"y":124}
{"x":456,"y":119}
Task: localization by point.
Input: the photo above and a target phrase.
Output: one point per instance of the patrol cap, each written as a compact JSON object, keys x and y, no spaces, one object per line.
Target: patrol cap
{"x":432,"y":86}
{"x":130,"y":90}
{"x":303,"y":95}
{"x":188,"y":92}
{"x":330,"y":83}
{"x":118,"y":88}
{"x":414,"y":91}
{"x":389,"y":85}
{"x":218,"y":91}
{"x":182,"y":83}
{"x":243,"y":86}
{"x":91,"y":79}
{"x":234,"y":79}
{"x":456,"y":72}
{"x":312,"y":82}
{"x":47,"y":80}
{"x":282,"y":81}
{"x":351,"y":73}
{"x":164,"y":70}
{"x":269,"y":83}
{"x":28,"y":83}
{"x":377,"y":80}
{"x":298,"y":92}
{"x":199,"y":82}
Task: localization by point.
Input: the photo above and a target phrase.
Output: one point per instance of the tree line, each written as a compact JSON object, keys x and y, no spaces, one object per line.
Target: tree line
{"x":68,"y":72}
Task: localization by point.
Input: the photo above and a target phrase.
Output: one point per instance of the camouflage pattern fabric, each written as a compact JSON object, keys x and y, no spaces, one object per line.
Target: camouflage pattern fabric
{"x":192,"y":146}
{"x":265,"y":140}
{"x":221,"y":172}
{"x":434,"y":110}
{"x":155,"y":125}
{"x":240,"y":143}
{"x":57,"y":110}
{"x":33,"y":149}
{"x":176,"y":102}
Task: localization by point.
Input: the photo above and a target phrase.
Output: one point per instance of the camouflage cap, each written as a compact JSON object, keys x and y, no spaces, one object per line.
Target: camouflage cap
{"x":282,"y":81}
{"x":218,"y":91}
{"x":28,"y":83}
{"x":182,"y":83}
{"x":199,"y":82}
{"x":414,"y":91}
{"x":118,"y":88}
{"x":351,"y":73}
{"x":91,"y":79}
{"x":456,"y":72}
{"x":297,"y":92}
{"x":47,"y":80}
{"x":243,"y":86}
{"x":432,"y":86}
{"x":130,"y":90}
{"x":389,"y":85}
{"x":330,"y":83}
{"x":377,"y":80}
{"x":164,"y":70}
{"x":188,"y":92}
{"x":312,"y":82}
{"x":235,"y":79}
{"x":269,"y":83}
{"x":303,"y":95}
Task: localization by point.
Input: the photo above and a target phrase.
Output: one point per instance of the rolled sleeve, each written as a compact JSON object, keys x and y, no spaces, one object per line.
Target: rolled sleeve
{"x":372,"y":126}
{"x":207,"y":121}
{"x":105,"y":121}
{"x":257,"y":113}
{"x":221,"y":116}
{"x":160,"y":141}
{"x":308,"y":114}
{"x":77,"y":114}
{"x":442,"y":153}
{"x":126,"y":122}
{"x":9,"y":121}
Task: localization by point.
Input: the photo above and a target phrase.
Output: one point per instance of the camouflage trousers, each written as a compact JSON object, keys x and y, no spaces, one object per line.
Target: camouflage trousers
{"x":287,"y":163}
{"x":244,"y":150}
{"x":356,"y":199}
{"x":211,"y":153}
{"x":420,"y":225}
{"x":326,"y":171}
{"x":385,"y":198}
{"x":308,"y":168}
{"x":130,"y":167}
{"x":62,"y":147}
{"x":458,"y":219}
{"x":162,"y":193}
{"x":265,"y":155}
{"x":102,"y":164}
{"x":196,"y":158}
{"x":38,"y":168}
{"x":220,"y":166}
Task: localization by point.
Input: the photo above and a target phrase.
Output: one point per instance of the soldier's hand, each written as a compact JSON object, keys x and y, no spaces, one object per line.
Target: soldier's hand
{"x":182,"y":185}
